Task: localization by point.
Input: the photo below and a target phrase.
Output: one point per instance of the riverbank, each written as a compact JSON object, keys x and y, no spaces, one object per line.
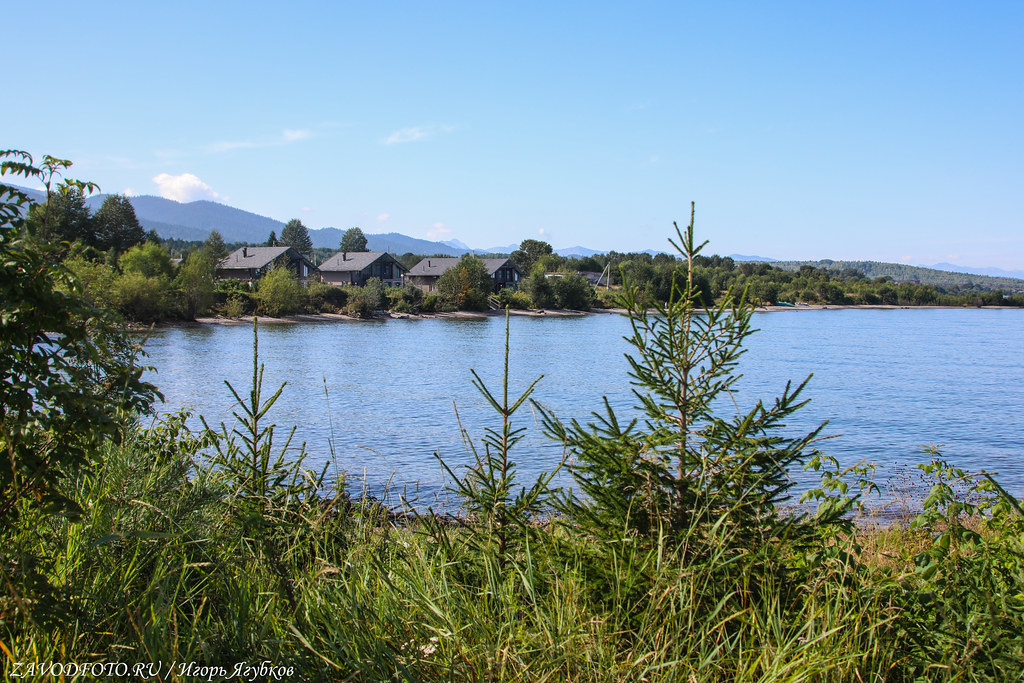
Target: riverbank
{"x":543,"y":313}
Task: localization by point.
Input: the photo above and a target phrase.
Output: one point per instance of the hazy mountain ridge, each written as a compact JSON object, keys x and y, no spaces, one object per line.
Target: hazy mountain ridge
{"x":901,"y":272}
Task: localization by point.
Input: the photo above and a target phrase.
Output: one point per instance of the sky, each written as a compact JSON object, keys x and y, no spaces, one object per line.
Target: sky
{"x":801,"y":130}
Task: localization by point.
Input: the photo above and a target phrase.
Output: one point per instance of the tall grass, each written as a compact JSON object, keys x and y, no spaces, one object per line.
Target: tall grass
{"x":221,"y":547}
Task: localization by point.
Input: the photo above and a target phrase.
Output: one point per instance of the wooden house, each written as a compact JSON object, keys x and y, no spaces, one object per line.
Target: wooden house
{"x":252,"y":263}
{"x":427,"y":272}
{"x":355,"y":267}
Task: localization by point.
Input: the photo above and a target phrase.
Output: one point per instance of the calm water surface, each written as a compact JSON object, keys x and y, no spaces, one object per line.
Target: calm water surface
{"x":384,"y":393}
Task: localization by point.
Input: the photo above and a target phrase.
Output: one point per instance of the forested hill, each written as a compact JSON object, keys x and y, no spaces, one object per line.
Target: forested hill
{"x":903,"y":273}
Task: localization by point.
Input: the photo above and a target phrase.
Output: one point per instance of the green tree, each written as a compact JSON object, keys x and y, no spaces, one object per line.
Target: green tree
{"x":148,"y":259}
{"x":272,"y":240}
{"x":117,"y":227}
{"x":528,"y":253}
{"x":142,"y":298}
{"x":573,"y":291}
{"x":466,"y":285}
{"x":196,"y":282}
{"x":279,"y":293}
{"x":685,"y":473}
{"x":215,"y":248}
{"x":541,"y":291}
{"x":296,"y":235}
{"x":95,"y":279}
{"x":66,"y":219}
{"x":353,"y":240}
{"x":65,"y":370}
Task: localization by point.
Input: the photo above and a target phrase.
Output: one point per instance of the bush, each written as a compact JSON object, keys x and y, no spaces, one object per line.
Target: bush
{"x":279,"y":293}
{"x":513,"y":298}
{"x":236,"y":306}
{"x":542,"y":293}
{"x":405,"y":299}
{"x":359,"y":307}
{"x":467,"y":285}
{"x":141,"y":298}
{"x":573,"y":292}
{"x":325,"y":298}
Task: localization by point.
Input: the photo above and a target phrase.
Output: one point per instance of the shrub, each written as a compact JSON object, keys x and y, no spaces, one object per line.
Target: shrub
{"x":513,"y":298}
{"x":467,"y":285}
{"x":141,"y":298}
{"x":324,"y":297}
{"x":359,"y":307}
{"x":279,"y":293}
{"x":573,"y":291}
{"x":236,"y":306}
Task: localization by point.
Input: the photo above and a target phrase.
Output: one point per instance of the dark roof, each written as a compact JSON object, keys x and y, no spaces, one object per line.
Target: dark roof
{"x":251,"y":257}
{"x":343,"y":262}
{"x":437,"y":266}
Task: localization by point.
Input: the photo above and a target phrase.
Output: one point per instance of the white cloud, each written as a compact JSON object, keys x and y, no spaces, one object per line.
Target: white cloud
{"x":288,"y":136}
{"x":183,"y":188}
{"x":415,"y":133}
{"x":129,"y":192}
{"x":438,"y":231}
{"x":383,"y":217}
{"x":307,"y":209}
{"x":542,"y":232}
{"x":228,"y":145}
{"x":295,"y":135}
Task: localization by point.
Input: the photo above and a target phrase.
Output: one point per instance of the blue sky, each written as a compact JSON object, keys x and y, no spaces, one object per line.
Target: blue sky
{"x":884,"y":131}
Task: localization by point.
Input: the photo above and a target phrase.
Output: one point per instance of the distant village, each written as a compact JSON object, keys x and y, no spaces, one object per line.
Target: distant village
{"x":356,"y":267}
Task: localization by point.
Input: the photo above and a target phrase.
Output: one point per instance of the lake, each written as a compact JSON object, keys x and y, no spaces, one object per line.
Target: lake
{"x":383,"y":395}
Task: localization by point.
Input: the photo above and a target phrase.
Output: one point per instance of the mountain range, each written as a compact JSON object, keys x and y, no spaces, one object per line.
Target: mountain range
{"x":194,"y":221}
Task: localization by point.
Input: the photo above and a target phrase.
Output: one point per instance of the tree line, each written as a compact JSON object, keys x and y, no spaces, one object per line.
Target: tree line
{"x":146,"y":279}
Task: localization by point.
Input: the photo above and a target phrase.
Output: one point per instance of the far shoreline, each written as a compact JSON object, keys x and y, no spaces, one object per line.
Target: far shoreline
{"x":541,"y":313}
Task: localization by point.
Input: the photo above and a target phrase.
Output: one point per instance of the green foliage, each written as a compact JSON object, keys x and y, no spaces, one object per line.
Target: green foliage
{"x":467,"y":285}
{"x":296,"y":235}
{"x":279,"y":293}
{"x":65,"y":370}
{"x":514,"y":299}
{"x":539,"y":288}
{"x":236,"y":306}
{"x":528,"y":253}
{"x":685,"y":471}
{"x":95,"y":280}
{"x":148,"y":259}
{"x":325,"y":298}
{"x":196,"y":282}
{"x":268,"y":490}
{"x":502,"y":515}
{"x":63,"y":218}
{"x":673,"y":561}
{"x":141,"y":298}
{"x":353,"y":240}
{"x":365,"y":301}
{"x":117,"y":227}
{"x":216,"y":249}
{"x":407,"y":299}
{"x":572,"y":291}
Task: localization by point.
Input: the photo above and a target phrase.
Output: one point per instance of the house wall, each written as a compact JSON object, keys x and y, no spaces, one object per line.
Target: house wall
{"x":428,"y":283}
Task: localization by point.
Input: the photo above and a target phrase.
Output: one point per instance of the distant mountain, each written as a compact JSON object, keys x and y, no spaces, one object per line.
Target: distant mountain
{"x":186,"y":220}
{"x":900,"y":272}
{"x":976,"y":270}
{"x":577,"y":251}
{"x":458,"y":244}
{"x":743,"y":257}
{"x":398,"y":243}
